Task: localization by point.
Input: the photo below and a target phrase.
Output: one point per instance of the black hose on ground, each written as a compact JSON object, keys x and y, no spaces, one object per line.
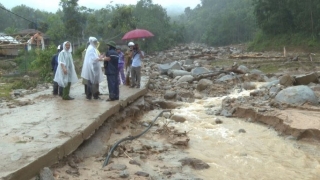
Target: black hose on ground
{"x":131,"y":138}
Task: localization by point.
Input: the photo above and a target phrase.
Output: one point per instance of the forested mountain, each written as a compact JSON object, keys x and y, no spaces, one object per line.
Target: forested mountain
{"x":215,"y":22}
{"x":220,"y":22}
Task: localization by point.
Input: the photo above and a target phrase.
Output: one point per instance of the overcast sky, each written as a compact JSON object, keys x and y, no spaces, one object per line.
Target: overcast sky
{"x":53,"y":5}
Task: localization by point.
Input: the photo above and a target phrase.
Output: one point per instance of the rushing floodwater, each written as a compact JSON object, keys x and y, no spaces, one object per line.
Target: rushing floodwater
{"x":259,"y":153}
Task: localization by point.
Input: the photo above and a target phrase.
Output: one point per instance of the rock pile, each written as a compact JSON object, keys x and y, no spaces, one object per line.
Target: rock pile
{"x":186,"y":73}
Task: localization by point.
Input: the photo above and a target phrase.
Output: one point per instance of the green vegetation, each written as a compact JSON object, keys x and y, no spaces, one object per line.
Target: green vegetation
{"x":265,"y":24}
{"x":265,"y":42}
{"x":42,"y":63}
{"x":5,"y":90}
{"x":23,"y":83}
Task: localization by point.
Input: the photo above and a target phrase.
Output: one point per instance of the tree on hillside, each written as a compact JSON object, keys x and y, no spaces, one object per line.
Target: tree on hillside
{"x":123,"y":18}
{"x":154,"y":17}
{"x":288,"y":16}
{"x":6,"y":19}
{"x":26,"y":19}
{"x":273,"y":16}
{"x":56,"y":28}
{"x":72,"y":19}
{"x":220,"y":22}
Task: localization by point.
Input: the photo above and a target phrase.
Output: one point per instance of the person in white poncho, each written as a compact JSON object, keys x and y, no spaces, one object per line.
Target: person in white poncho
{"x":91,"y":70}
{"x":66,"y":75}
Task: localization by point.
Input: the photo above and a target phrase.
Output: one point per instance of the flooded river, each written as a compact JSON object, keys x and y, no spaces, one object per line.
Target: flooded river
{"x":236,"y":149}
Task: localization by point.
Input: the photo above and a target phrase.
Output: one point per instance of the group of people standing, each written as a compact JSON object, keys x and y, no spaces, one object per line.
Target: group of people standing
{"x":114,"y":62}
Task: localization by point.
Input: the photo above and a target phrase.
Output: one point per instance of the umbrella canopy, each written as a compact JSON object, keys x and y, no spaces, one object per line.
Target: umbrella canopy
{"x":137,"y":34}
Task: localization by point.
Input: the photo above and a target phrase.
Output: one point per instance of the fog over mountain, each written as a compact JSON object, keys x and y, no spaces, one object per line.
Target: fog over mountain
{"x":175,"y":10}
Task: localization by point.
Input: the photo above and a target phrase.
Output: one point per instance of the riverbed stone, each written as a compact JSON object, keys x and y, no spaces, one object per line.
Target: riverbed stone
{"x":269,"y":84}
{"x":174,"y":73}
{"x":167,"y":104}
{"x":124,"y":174}
{"x":178,"y":118}
{"x":204,"y":84}
{"x":166,"y":115}
{"x":170,"y":95}
{"x":306,"y":79}
{"x":186,"y":78}
{"x":256,"y":71}
{"x":46,"y":174}
{"x":118,"y":167}
{"x":199,"y":70}
{"x":226,"y":78}
{"x":273,"y":91}
{"x":196,"y":164}
{"x":286,"y":80}
{"x":248,"y":86}
{"x":243,"y":69}
{"x":163,"y":68}
{"x":297,"y":95}
{"x":143,"y":174}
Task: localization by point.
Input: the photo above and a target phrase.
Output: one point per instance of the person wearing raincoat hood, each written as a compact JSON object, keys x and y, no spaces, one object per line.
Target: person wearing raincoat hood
{"x":66,"y":74}
{"x":91,"y":70}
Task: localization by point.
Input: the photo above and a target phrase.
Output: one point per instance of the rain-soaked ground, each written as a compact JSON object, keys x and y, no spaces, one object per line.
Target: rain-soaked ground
{"x":233,"y":148}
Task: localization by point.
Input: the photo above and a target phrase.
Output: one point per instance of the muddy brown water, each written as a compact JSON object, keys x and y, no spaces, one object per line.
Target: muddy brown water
{"x":235,"y":150}
{"x":259,"y":153}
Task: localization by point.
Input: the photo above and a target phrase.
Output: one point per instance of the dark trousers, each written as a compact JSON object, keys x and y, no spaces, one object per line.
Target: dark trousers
{"x":113,"y":86}
{"x":57,"y":89}
{"x":92,"y":90}
{"x":135,"y":76}
{"x":85,"y":89}
{"x":66,"y":91}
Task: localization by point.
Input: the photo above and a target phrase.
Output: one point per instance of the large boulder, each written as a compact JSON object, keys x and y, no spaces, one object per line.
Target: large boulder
{"x":188,"y":62}
{"x":204,"y":84}
{"x":189,"y":67}
{"x":186,"y":78}
{"x":174,"y":73}
{"x":256,"y":71}
{"x":170,"y":95}
{"x":178,"y":118}
{"x":286,"y":80}
{"x":199,"y":70}
{"x":270,"y":84}
{"x":273,"y":91}
{"x":226,"y":78}
{"x":297,"y":95}
{"x":163,"y":68}
{"x":306,"y":79}
{"x":243,"y":68}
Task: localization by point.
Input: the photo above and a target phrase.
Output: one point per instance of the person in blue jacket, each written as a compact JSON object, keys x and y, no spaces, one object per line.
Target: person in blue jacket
{"x":111,"y":70}
{"x":54,"y":64}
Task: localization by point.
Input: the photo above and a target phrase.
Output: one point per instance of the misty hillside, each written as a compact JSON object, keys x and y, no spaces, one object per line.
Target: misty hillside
{"x":174,"y":10}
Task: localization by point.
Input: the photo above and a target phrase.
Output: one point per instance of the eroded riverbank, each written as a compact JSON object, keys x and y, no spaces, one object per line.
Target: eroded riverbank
{"x":233,"y":148}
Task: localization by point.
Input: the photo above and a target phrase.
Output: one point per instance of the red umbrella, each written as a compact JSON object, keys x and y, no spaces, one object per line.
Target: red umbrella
{"x":137,"y":34}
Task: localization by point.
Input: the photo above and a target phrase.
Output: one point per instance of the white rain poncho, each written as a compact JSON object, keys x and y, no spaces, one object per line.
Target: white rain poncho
{"x":65,"y":58}
{"x":91,"y":69}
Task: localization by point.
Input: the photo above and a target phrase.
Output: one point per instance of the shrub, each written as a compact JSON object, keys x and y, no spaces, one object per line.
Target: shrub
{"x":42,"y":63}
